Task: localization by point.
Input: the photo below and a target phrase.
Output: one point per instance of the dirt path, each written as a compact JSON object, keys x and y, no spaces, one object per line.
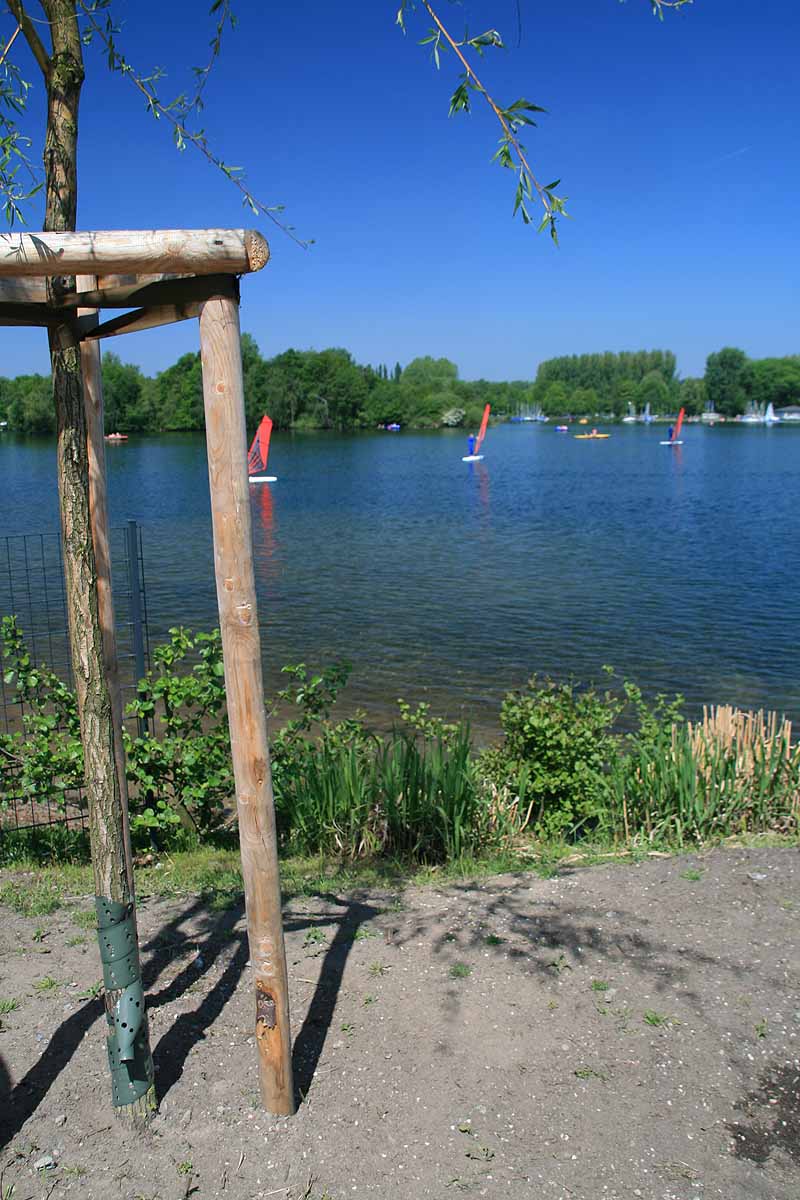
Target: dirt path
{"x":622,"y":1031}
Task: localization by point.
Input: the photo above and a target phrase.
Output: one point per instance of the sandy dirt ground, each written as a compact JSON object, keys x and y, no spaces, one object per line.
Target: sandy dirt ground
{"x":618,"y":1031}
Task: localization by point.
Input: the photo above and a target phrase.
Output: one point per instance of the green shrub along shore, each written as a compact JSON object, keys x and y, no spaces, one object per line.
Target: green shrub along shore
{"x":562,"y":774}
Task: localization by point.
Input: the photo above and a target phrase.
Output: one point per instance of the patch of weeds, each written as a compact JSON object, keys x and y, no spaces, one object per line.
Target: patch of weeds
{"x":74,"y":1172}
{"x":347,"y":1027}
{"x":93,"y":992}
{"x":552,"y":1005}
{"x":787,"y":905}
{"x":368,"y":1000}
{"x":7,"y":1006}
{"x":85,"y":919}
{"x":31,"y":899}
{"x":657,"y":1020}
{"x":185,"y":1167}
{"x":492,"y":939}
{"x":559,"y":965}
{"x":589,"y":1073}
{"x":761,"y":1028}
{"x":314,"y":937}
{"x":40,"y":934}
{"x":79,"y":940}
{"x":451,"y":937}
{"x":377,"y":969}
{"x":480,"y":1153}
{"x":600,"y":985}
{"x":362,"y":933}
{"x":693,"y":874}
{"x":47,"y":984}
{"x":460,"y":970}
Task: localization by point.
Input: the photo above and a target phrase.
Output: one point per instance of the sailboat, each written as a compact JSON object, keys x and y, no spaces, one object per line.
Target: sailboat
{"x":770,"y":416}
{"x":675,"y":440}
{"x":258,"y":453}
{"x":476,"y":456}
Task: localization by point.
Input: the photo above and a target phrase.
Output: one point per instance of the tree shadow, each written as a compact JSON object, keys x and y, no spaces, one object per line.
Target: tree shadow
{"x":215,"y":936}
{"x":545,"y":929}
{"x":771,"y":1116}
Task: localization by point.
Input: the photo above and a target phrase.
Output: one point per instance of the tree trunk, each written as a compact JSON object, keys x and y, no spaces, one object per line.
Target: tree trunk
{"x":128,"y":1042}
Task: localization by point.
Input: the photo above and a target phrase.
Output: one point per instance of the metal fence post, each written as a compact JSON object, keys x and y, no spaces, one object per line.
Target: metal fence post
{"x":137,"y":626}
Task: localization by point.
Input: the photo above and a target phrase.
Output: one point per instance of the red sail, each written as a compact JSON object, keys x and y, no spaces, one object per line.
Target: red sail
{"x":676,"y":433}
{"x":259,"y":451}
{"x":482,"y":430}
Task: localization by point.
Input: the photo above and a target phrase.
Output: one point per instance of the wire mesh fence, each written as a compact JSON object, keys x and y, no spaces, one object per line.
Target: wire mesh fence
{"x":32,"y":590}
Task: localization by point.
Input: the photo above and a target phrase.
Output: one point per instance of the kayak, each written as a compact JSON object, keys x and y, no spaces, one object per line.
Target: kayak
{"x":590,"y":437}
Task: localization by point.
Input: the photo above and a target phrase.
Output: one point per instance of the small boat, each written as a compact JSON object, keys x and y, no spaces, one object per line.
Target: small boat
{"x":562,"y":428}
{"x":591,"y":437}
{"x":770,"y":416}
{"x":475,"y":455}
{"x":393,"y":428}
{"x":675,"y":433}
{"x":583,"y":421}
{"x":258,"y":453}
{"x":116,"y":437}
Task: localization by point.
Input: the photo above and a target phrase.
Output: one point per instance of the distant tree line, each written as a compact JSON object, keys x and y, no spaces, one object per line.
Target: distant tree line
{"x":327,"y":389}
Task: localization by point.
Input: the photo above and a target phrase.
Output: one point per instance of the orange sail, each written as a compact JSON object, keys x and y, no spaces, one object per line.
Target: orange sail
{"x":482,"y":430}
{"x":259,"y":450}
{"x":676,"y":433}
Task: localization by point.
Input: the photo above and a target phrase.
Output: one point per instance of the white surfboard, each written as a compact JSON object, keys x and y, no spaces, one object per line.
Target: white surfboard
{"x":472,"y":458}
{"x":263,"y":478}
{"x":676,"y":443}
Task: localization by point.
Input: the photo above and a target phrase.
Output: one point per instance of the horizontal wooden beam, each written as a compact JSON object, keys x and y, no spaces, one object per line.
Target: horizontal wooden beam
{"x":133,"y":252}
{"x":141,"y":318}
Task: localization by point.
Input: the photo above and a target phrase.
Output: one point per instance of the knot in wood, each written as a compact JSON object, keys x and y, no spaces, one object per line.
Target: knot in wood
{"x":266,"y":1015}
{"x":245,"y":613}
{"x":220,"y":388}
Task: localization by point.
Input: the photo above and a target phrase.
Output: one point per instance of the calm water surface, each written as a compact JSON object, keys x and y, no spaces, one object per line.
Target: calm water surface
{"x":451,"y":582}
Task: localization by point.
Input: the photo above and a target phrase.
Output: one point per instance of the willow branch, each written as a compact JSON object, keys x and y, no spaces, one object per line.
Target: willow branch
{"x":31,"y":36}
{"x":9,"y":44}
{"x":507,"y":130}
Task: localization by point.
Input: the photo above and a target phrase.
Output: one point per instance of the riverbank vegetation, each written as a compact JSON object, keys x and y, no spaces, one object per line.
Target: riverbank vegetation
{"x":328,"y":389}
{"x":574,"y":766}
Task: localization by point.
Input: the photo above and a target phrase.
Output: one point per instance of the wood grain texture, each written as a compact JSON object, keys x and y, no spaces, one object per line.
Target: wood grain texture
{"x":133,"y":251}
{"x":233,"y":559}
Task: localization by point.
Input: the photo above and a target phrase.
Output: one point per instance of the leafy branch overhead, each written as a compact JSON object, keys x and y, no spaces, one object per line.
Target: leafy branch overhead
{"x":511,"y":153}
{"x":19,"y":178}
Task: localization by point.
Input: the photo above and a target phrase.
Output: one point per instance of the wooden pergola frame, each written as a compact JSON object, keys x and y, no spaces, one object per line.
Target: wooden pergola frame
{"x":162,"y":276}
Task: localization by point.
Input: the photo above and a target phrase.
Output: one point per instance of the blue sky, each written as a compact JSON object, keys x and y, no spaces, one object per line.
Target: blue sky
{"x":676,"y":144}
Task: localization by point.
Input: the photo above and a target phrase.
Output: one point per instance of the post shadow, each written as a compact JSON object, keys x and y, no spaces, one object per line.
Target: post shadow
{"x":310,"y":1040}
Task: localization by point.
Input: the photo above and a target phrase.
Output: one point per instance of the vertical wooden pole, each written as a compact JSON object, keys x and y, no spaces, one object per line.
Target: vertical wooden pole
{"x":223,"y":392}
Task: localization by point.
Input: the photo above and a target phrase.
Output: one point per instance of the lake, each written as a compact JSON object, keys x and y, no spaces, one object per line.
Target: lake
{"x":453,"y":582}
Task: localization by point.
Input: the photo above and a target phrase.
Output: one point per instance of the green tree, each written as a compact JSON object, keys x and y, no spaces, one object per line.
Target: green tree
{"x":692,"y":396}
{"x":727,"y":381}
{"x":654,"y":391}
{"x":124,"y":396}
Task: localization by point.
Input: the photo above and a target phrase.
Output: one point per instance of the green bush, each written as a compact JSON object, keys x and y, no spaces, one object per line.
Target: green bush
{"x":560,"y":738}
{"x":181,"y":769}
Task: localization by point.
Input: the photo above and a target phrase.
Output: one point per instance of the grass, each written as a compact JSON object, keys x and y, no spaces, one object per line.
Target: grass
{"x":377,"y":969}
{"x":47,"y":984}
{"x":492,"y":939}
{"x":651,"y":1017}
{"x":8,"y":1006}
{"x":460,"y":970}
{"x":214,"y":874}
{"x":692,"y":873}
{"x":600,"y":985}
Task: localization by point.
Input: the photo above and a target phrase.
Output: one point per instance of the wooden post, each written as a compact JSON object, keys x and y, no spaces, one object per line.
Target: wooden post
{"x":223,"y":392}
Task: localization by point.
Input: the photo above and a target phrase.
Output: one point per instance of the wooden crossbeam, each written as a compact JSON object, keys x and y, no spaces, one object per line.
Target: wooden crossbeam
{"x":138,"y":251}
{"x":139,"y":319}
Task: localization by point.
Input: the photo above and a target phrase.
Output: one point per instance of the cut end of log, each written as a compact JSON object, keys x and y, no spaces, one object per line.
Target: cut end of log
{"x":257,"y":249}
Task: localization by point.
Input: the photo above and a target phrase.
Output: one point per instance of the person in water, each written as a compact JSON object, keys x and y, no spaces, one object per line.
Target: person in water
{"x":471,"y":444}
{"x":669,"y":433}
